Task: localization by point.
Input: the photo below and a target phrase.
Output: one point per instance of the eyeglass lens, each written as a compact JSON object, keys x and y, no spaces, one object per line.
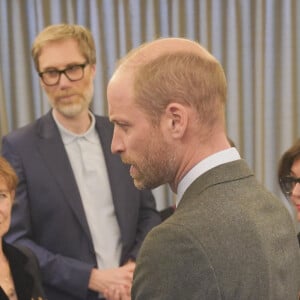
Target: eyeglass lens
{"x":288,"y":183}
{"x":73,"y":73}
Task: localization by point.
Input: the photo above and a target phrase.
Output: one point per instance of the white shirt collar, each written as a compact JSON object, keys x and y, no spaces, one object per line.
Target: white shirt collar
{"x":69,"y":136}
{"x":203,"y":166}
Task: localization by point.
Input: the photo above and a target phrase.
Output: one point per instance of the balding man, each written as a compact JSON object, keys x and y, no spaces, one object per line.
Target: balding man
{"x":229,"y":238}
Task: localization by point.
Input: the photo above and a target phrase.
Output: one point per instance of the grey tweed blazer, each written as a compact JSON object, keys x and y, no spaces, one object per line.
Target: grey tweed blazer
{"x":229,"y":239}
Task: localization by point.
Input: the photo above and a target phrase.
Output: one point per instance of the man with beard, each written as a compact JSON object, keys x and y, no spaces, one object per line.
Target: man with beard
{"x":229,"y":238}
{"x":76,"y":206}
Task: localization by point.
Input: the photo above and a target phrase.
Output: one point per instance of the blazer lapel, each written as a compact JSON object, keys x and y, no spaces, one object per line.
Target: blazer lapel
{"x":23,"y":281}
{"x":53,"y":152}
{"x":105,"y":131}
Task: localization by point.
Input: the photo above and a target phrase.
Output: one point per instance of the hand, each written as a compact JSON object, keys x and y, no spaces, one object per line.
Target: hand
{"x":114,"y":284}
{"x":119,"y":293}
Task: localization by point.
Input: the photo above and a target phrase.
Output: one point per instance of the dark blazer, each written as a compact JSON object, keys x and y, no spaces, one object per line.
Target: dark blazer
{"x":25,"y":272}
{"x":48,"y":214}
{"x":229,"y":238}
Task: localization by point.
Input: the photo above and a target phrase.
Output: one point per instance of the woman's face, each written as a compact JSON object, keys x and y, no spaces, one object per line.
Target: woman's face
{"x":295,"y":194}
{"x":6,"y":200}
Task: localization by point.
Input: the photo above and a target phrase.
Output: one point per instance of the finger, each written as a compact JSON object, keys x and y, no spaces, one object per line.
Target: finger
{"x":117,"y":294}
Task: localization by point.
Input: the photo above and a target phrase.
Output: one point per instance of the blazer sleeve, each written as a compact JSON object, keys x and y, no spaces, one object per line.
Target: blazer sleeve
{"x":56,"y":269}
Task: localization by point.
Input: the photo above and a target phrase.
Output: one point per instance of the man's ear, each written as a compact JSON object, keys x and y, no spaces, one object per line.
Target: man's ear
{"x":177,"y":119}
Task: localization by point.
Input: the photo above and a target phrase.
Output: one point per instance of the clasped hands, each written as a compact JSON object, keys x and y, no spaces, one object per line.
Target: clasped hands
{"x":113,"y":284}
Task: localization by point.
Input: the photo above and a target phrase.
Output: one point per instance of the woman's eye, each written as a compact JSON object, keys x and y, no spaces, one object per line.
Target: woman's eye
{"x":3,"y":195}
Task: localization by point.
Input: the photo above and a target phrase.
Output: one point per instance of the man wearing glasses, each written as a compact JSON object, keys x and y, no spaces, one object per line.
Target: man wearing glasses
{"x":76,"y":206}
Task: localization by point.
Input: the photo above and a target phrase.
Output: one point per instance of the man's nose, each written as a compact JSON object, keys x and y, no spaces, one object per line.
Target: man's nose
{"x":64,"y":80}
{"x":117,"y":146}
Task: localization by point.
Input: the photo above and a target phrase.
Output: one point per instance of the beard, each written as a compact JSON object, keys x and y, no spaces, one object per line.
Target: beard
{"x":71,"y":103}
{"x":154,"y":167}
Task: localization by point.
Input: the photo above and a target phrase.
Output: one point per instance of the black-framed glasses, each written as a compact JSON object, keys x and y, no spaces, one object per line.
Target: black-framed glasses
{"x":72,"y":72}
{"x":288,"y":183}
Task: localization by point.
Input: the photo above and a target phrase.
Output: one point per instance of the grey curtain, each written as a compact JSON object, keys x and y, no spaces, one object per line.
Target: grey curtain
{"x":257,"y":42}
{"x":3,"y":115}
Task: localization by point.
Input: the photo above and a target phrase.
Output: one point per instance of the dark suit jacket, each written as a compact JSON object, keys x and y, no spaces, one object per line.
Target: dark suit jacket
{"x":229,"y":238}
{"x":48,"y":214}
{"x":25,"y":272}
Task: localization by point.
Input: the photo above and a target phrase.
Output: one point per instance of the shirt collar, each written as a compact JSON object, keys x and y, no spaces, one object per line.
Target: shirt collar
{"x":203,"y":166}
{"x":69,"y":136}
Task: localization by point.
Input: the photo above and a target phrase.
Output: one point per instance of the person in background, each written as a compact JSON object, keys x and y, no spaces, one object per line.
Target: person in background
{"x":76,"y":207}
{"x":229,"y":238}
{"x":289,"y":177}
{"x":19,"y":270}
